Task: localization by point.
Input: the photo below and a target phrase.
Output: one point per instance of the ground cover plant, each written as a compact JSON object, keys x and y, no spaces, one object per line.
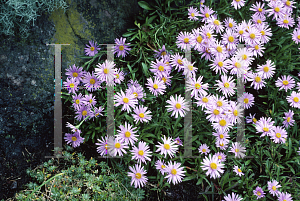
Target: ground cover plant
{"x":188,"y":60}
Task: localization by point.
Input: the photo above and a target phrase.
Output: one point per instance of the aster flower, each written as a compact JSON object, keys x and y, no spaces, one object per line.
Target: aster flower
{"x":74,"y":139}
{"x":178,"y":141}
{"x":251,"y":119}
{"x":247,"y":99}
{"x":213,"y":166}
{"x":137,"y":175}
{"x":91,"y":49}
{"x":183,"y":40}
{"x":237,"y":4}
{"x":75,"y":72}
{"x":196,"y":86}
{"x":258,"y":8}
{"x":161,"y":53}
{"x":141,"y":114}
{"x":137,"y":91}
{"x":220,"y":63}
{"x":177,"y":105}
{"x":276,"y":8}
{"x":91,"y":82}
{"x":233,"y":197}
{"x":206,"y":53}
{"x":119,"y":76}
{"x":284,"y":196}
{"x":258,"y":19}
{"x":265,"y":126}
{"x":285,"y":21}
{"x":127,"y":133}
{"x":193,"y":13}
{"x":272,"y":187}
{"x":296,"y":35}
{"x":219,"y":49}
{"x":160,"y":68}
{"x":103,"y":146}
{"x":267,"y":70}
{"x":215,"y":24}
{"x":238,"y":171}
{"x":166,"y":79}
{"x":174,"y":172}
{"x":196,"y":41}
{"x":252,"y":36}
{"x":208,"y":35}
{"x":214,"y":113}
{"x":83,"y":112}
{"x":294,"y":99}
{"x":221,"y":136}
{"x":288,"y":5}
{"x":97,"y":112}
{"x":222,"y":144}
{"x":77,"y":100}
{"x":285,"y":82}
{"x":128,"y":101}
{"x":141,"y":153}
{"x":265,"y":32}
{"x":168,"y":147}
{"x":230,"y":38}
{"x":74,"y":128}
{"x":238,"y":150}
{"x":236,"y":112}
{"x":226,"y":85}
{"x":189,"y":68}
{"x":106,"y":71}
{"x":288,"y":119}
{"x":230,"y":23}
{"x":121,"y":48}
{"x":245,"y":55}
{"x":71,"y":85}
{"x":221,"y":156}
{"x":161,"y":166}
{"x":203,"y":101}
{"x":204,"y":149}
{"x":220,"y":102}
{"x":278,"y":135}
{"x":205,"y":13}
{"x":257,"y":81}
{"x":223,"y":124}
{"x":238,"y":66}
{"x":176,"y":61}
{"x":259,"y":192}
{"x":117,"y":147}
{"x":89,"y":100}
{"x":156,"y":87}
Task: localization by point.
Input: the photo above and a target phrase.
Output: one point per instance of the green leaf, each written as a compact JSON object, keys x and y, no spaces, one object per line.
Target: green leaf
{"x":128,"y":34}
{"x":151,"y":19}
{"x":145,"y":5}
{"x":145,"y":69}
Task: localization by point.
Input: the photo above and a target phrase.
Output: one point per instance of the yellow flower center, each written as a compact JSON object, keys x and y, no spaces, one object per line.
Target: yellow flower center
{"x":222,"y":144}
{"x":254,"y":120}
{"x":121,"y":47}
{"x":298,"y":37}
{"x":199,"y":40}
{"x":277,"y":9}
{"x":288,"y":3}
{"x":190,"y":67}
{"x":162,"y":166}
{"x":231,"y":39}
{"x":258,"y":193}
{"x":117,"y":75}
{"x":193,"y":14}
{"x":84,"y":112}
{"x":127,"y":134}
{"x":92,"y":81}
{"x":216,"y":112}
{"x":259,"y":21}
{"x":74,"y":139}
{"x":105,"y":70}
{"x":239,"y":170}
{"x":180,"y":61}
{"x":256,"y":47}
{"x":75,"y":74}
{"x":274,"y":188}
{"x":96,"y":114}
{"x":213,"y":166}
{"x":197,"y":86}
{"x":125,"y":100}
{"x":237,"y":0}
{"x":217,"y":22}
{"x":219,"y":103}
{"x":296,"y":99}
{"x":164,"y":79}
{"x":117,"y":145}
{"x":220,"y":63}
{"x":72,"y":85}
{"x":136,"y":94}
{"x":220,"y":157}
{"x":244,"y":57}
{"x":178,"y":106}
{"x":206,"y":15}
{"x":226,"y":84}
{"x":238,"y":65}
{"x":278,"y":135}
{"x":221,"y":136}
{"x":138,"y":175}
{"x":142,"y":115}
{"x":285,"y":82}
{"x":260,"y":10}
{"x":92,"y":48}
{"x":288,"y":119}
{"x":246,"y":100}
{"x":167,"y":146}
{"x":230,"y":25}
{"x":285,"y":21}
{"x":106,"y":146}
{"x":185,"y":40}
{"x":222,"y":122}
{"x":173,"y":172}
{"x":237,"y":150}
{"x":266,"y":69}
{"x":77,"y":101}
{"x":219,"y":49}
{"x":257,"y":79}
{"x":203,"y":150}
{"x":141,"y":152}
{"x":252,"y":36}
{"x":235,"y":113}
{"x":241,"y":32}
{"x":163,"y":53}
{"x":266,"y":129}
{"x":91,"y":100}
{"x":263,"y":33}
{"x":155,"y":86}
{"x":208,"y":35}
{"x":204,"y":100}
{"x":161,"y":68}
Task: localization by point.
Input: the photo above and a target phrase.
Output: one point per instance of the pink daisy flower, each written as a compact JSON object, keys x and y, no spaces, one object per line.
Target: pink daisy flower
{"x":74,"y":139}
{"x":89,"y":100}
{"x":77,"y":100}
{"x":178,"y":141}
{"x":126,"y":134}
{"x":296,"y":35}
{"x":238,"y":66}
{"x":204,"y":149}
{"x":220,"y":65}
{"x":257,"y":81}
{"x":230,"y":38}
{"x":245,"y":54}
{"x":240,"y":29}
{"x":284,"y":196}
{"x":177,"y":105}
{"x":276,"y":9}
{"x":214,"y":113}
{"x":160,"y":68}
{"x":221,"y":136}
{"x":235,"y":112}
{"x":205,"y":13}
{"x":141,"y":114}
{"x":265,"y":126}
{"x":212,"y":166}
{"x":215,"y":24}
{"x":106,"y":72}
{"x":183,"y":40}
{"x":72,"y":85}
{"x":285,"y":82}
{"x":74,"y":128}
{"x":265,"y":32}
{"x":238,"y":171}
{"x":259,"y":192}
{"x":294,"y":99}
{"x":238,"y":150}
{"x":220,"y":102}
{"x":208,"y":35}
{"x":137,"y":175}
{"x":203,"y":101}
{"x":258,"y":19}
{"x":121,"y":48}
{"x":223,"y":125}
{"x":116,"y":147}
{"x":252,"y":36}
{"x":97,"y":112}
{"x":226,"y":85}
{"x":230,"y":23}
{"x":196,"y":86}
{"x":175,"y":173}
{"x":247,"y":99}
{"x":166,"y":79}
{"x":267,"y":70}
{"x":273,"y":186}
{"x":222,"y":144}
{"x":156,"y":87}
{"x":161,"y":166}
{"x":168,"y":147}
{"x":103,"y":146}
{"x":193,"y":13}
{"x":278,"y":135}
{"x":206,"y":53}
{"x":251,"y":119}
{"x":288,"y":5}
{"x":233,"y":197}
{"x":137,"y":91}
{"x":196,"y":40}
{"x":75,"y":72}
{"x":83,"y":112}
{"x":288,"y":119}
{"x":119,"y":76}
{"x":141,"y":153}
{"x":218,"y":49}
{"x":91,"y":49}
{"x":237,"y":4}
{"x":91,"y":82}
{"x":189,"y":69}
{"x":176,"y":61}
{"x":285,"y":22}
{"x":162,"y":53}
{"x":258,"y":8}
{"x":221,"y":156}
{"x":128,"y":101}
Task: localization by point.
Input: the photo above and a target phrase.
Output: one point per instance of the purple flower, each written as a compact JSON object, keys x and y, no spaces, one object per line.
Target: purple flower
{"x":91,"y":49}
{"x":91,"y":82}
{"x":272,"y":187}
{"x":141,"y":114}
{"x":193,"y":13}
{"x":285,"y":82}
{"x":75,"y":72}
{"x":77,"y":100}
{"x":289,"y":121}
{"x":73,"y":139}
{"x":71,"y":85}
{"x":83,"y":112}
{"x":141,"y":153}
{"x":259,"y":192}
{"x":137,"y":175}
{"x":121,"y":48}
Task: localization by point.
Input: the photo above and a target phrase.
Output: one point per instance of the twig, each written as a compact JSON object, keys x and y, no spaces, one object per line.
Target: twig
{"x":191,"y":169}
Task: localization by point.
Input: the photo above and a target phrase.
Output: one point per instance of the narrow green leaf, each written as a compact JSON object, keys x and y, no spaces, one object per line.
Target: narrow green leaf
{"x":145,"y":5}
